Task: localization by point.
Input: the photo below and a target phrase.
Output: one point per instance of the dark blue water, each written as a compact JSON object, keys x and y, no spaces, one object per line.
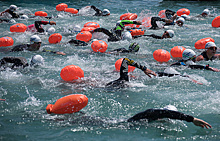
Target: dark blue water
{"x":29,"y":91}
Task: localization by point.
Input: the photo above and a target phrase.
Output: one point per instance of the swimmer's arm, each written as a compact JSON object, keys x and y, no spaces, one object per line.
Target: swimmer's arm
{"x":96,"y":9}
{"x":199,"y":58}
{"x":4,"y":12}
{"x":54,"y":52}
{"x":130,"y":22}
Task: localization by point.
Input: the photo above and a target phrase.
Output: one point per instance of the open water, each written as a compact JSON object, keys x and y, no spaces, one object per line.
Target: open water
{"x":27,"y":92}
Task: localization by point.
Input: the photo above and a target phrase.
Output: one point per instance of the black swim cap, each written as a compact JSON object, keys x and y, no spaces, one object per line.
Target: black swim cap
{"x":134,"y":47}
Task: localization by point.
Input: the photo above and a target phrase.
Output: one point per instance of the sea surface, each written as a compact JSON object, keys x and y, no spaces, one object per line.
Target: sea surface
{"x":28,"y":91}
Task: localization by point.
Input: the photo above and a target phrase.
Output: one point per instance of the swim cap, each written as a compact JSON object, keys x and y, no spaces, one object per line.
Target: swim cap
{"x":12,"y":21}
{"x":206,"y":11}
{"x":37,"y":60}
{"x":171,"y":33}
{"x":187,"y":54}
{"x":51,"y":30}
{"x":106,"y":12}
{"x":170,"y":107}
{"x":181,"y":19}
{"x":210,"y":44}
{"x":24,"y":17}
{"x":185,"y":16}
{"x":126,"y":36}
{"x":35,"y":39}
{"x":76,"y":28}
{"x":134,"y":47}
{"x":12,"y":8}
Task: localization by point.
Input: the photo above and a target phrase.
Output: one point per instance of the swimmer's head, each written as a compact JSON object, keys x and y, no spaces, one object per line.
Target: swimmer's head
{"x":127,"y":36}
{"x":51,"y":30}
{"x":170,"y":107}
{"x":188,"y":54}
{"x":206,"y":12}
{"x":134,"y":47}
{"x":37,"y":60}
{"x":24,"y":17}
{"x":35,"y":39}
{"x":106,"y":12}
{"x":185,"y":16}
{"x":180,"y":21}
{"x":210,"y":44}
{"x":12,"y":8}
{"x":170,"y":32}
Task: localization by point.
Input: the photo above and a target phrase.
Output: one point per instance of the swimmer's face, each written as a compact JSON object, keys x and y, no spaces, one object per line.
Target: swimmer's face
{"x":204,"y":14}
{"x":35,"y":46}
{"x":165,"y":35}
{"x":212,"y":50}
{"x":179,"y":23}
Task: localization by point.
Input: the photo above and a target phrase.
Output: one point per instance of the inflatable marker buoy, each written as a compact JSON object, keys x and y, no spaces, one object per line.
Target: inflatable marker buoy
{"x":118,"y":66}
{"x":87,"y":29}
{"x":92,"y":24}
{"x":55,"y":38}
{"x":200,"y":44}
{"x":6,"y":41}
{"x":161,"y":55}
{"x":68,"y":104}
{"x":162,"y":14}
{"x":40,"y":13}
{"x":146,"y":22}
{"x":71,"y":72}
{"x":99,"y":46}
{"x":61,"y":7}
{"x":84,"y":36}
{"x":128,"y":16}
{"x":216,"y":22}
{"x":137,"y":32}
{"x":183,"y":11}
{"x":19,"y":27}
{"x":71,"y":10}
{"x":177,"y":51}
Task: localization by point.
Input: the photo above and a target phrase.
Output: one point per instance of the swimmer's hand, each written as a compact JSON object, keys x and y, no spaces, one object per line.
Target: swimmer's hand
{"x":52,"y":23}
{"x":148,"y":72}
{"x":60,"y":53}
{"x":201,"y":123}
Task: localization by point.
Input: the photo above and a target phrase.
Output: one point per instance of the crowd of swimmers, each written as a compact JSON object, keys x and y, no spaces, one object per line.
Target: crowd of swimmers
{"x":115,"y":34}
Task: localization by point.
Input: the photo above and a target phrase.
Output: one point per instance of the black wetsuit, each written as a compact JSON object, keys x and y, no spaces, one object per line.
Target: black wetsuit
{"x":124,"y":73}
{"x":16,"y":61}
{"x":4,"y":20}
{"x":115,"y":34}
{"x":206,"y":57}
{"x":121,"y":50}
{"x":154,"y":114}
{"x":98,"y":11}
{"x":179,"y":63}
{"x":77,"y":42}
{"x":13,"y":14}
{"x":20,"y":47}
{"x":38,"y":25}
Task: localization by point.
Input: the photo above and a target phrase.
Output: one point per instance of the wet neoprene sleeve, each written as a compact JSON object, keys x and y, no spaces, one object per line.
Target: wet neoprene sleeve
{"x":154,"y":114}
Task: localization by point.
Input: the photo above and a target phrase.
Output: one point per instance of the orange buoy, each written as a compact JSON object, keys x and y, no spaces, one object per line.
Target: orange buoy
{"x":118,"y":65}
{"x":68,"y":104}
{"x":146,"y":22}
{"x":99,"y":46}
{"x":61,"y":7}
{"x":183,"y":11}
{"x":84,"y":36}
{"x":177,"y":51}
{"x":136,"y":32}
{"x":87,"y":29}
{"x":216,"y":22}
{"x":128,"y":16}
{"x":92,"y":24}
{"x":6,"y":41}
{"x":161,"y":55}
{"x":200,"y":44}
{"x":40,"y":13}
{"x":71,"y":10}
{"x":71,"y":72}
{"x":19,"y":27}
{"x":162,"y":14}
{"x":55,"y":38}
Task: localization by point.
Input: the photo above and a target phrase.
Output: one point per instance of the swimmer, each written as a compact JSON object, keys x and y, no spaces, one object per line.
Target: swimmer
{"x":166,"y":34}
{"x":205,"y":13}
{"x":134,"y":47}
{"x":115,"y":34}
{"x":39,"y":23}
{"x":99,"y":12}
{"x":11,"y":11}
{"x":15,"y":62}
{"x":209,"y":53}
{"x":77,"y":42}
{"x":168,"y":112}
{"x":120,"y":83}
{"x":188,"y":59}
{"x":35,"y":44}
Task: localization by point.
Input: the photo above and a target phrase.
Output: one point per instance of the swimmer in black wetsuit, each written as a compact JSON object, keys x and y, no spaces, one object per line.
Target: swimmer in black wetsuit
{"x":209,"y":54}
{"x":39,"y":23}
{"x":116,"y":33}
{"x":155,"y":114}
{"x":11,"y":11}
{"x":99,"y":12}
{"x":124,"y":73}
{"x":166,"y":34}
{"x":134,"y":47}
